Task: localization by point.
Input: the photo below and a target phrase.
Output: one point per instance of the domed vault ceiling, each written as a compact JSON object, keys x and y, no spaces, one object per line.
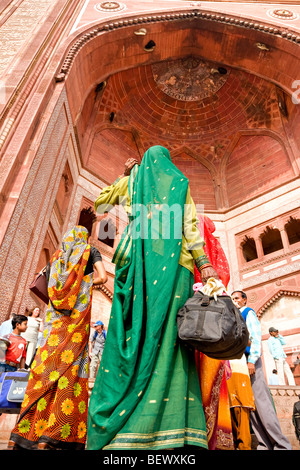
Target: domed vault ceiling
{"x":218,"y":123}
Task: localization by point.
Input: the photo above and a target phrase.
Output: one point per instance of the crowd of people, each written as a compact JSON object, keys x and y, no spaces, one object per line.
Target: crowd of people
{"x":20,"y":336}
{"x":150,"y":390}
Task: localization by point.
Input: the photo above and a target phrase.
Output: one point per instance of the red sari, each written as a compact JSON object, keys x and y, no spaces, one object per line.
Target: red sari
{"x":213,"y":250}
{"x":212,"y":372}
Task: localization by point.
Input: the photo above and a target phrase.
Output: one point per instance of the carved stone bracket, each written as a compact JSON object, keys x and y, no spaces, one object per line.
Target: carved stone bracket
{"x":105,"y":291}
{"x":276,"y":297}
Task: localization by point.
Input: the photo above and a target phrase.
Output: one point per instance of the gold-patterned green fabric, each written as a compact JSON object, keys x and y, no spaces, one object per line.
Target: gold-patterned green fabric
{"x":146,"y":393}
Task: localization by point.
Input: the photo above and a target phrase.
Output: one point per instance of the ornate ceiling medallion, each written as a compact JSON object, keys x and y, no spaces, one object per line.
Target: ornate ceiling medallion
{"x":283,"y":14}
{"x":190,"y":78}
{"x":110,"y":6}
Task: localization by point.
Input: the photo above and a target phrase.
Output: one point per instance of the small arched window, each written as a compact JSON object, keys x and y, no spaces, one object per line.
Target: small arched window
{"x":292,"y":228}
{"x":249,"y":249}
{"x":271,"y":240}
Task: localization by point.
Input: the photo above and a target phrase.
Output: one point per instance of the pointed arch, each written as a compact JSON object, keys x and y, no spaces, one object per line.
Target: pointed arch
{"x":202,"y":177}
{"x":275,"y":295}
{"x":239,"y":161}
{"x":199,"y":158}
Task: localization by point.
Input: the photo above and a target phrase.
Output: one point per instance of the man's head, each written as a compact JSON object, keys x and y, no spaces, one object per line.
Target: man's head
{"x":239,"y":298}
{"x":273,"y":331}
{"x":98,"y":326}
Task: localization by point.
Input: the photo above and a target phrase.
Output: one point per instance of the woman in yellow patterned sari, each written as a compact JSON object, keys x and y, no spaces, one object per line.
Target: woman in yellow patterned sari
{"x":54,"y":411}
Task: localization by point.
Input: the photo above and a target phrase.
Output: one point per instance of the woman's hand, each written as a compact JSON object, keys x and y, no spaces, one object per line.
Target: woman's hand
{"x":251,"y":368}
{"x":208,"y":272}
{"x":129,"y":164}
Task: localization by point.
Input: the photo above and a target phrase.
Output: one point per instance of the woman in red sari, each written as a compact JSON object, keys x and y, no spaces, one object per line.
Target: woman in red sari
{"x":213,"y":373}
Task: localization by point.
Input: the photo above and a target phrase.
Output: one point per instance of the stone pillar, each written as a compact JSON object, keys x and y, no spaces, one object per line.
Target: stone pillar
{"x":285,"y":240}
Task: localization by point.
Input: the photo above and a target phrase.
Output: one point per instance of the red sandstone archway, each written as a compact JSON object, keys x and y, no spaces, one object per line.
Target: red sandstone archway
{"x":68,"y":84}
{"x":112,"y":52}
{"x":105,"y":49}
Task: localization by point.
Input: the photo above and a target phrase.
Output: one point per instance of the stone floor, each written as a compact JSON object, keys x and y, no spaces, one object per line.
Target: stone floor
{"x":284,"y":398}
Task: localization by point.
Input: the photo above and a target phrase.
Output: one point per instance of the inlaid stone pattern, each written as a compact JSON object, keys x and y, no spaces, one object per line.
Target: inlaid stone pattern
{"x":110,"y":6}
{"x":18,"y":29}
{"x":190,"y":78}
{"x":283,"y":14}
{"x":23,"y":241}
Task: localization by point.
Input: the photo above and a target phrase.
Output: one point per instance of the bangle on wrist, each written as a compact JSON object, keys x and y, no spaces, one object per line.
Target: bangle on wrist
{"x":202,"y":261}
{"x":208,"y":265}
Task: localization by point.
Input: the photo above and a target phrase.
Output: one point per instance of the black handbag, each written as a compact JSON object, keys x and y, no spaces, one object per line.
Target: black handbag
{"x":213,"y":326}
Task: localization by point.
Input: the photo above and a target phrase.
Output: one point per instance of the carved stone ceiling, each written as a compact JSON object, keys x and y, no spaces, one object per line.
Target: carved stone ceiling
{"x":190,"y":78}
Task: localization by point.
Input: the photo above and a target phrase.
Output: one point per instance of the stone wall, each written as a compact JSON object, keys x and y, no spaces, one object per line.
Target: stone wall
{"x":284,"y":398}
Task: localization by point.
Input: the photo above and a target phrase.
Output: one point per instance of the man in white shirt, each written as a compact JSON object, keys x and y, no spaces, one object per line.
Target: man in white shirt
{"x":273,"y":379}
{"x":275,"y":345}
{"x":6,"y":327}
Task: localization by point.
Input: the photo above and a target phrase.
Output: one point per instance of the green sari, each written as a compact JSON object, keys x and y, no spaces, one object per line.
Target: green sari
{"x":146,"y":393}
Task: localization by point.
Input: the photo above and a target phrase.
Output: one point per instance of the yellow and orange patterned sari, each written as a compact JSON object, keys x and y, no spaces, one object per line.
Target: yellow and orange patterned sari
{"x":54,"y":410}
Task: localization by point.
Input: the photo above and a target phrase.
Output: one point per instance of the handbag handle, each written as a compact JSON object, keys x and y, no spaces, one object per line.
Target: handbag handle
{"x":43,"y":270}
{"x":205,"y":301}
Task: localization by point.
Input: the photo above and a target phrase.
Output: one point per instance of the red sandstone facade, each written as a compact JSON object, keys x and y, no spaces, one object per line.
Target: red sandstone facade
{"x":86,"y":84}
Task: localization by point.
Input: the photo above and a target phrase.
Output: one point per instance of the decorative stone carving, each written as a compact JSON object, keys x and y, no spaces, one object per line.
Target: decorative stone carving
{"x":110,"y":6}
{"x":190,"y":78}
{"x":253,"y":297}
{"x":283,"y":14}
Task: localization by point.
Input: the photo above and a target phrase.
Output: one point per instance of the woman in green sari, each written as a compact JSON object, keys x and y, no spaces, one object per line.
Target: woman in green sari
{"x":147,"y":394}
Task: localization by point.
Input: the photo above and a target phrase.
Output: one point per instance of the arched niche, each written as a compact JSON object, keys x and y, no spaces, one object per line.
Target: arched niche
{"x":109,"y":149}
{"x":282,"y":311}
{"x":248,"y":247}
{"x":102,"y":48}
{"x":200,"y":180}
{"x":292,"y":228}
{"x":271,"y":240}
{"x":256,"y":164}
